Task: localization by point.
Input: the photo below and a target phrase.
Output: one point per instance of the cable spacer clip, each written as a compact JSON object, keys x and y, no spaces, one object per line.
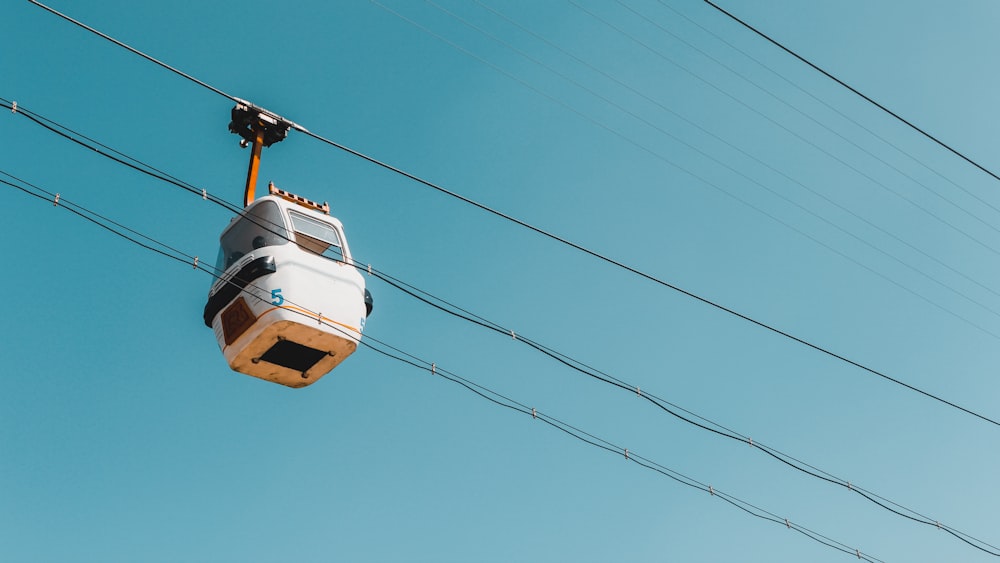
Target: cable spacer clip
{"x":849,"y":487}
{"x":626,"y":453}
{"x":13,"y":106}
{"x":319,"y":318}
{"x":858,"y":551}
{"x":750,"y":441}
{"x":195,"y":262}
{"x":638,"y":392}
{"x":534,"y":413}
{"x":204,"y":194}
{"x":56,"y":201}
{"x":369,"y":269}
{"x":512,"y":335}
{"x":938,"y":524}
{"x":711,"y":491}
{"x":433,"y":368}
{"x":787,"y":525}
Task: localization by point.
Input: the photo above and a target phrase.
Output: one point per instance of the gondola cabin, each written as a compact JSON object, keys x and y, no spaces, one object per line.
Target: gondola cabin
{"x":289,"y":305}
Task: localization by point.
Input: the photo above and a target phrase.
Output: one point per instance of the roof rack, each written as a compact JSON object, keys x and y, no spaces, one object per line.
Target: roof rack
{"x":289,"y":196}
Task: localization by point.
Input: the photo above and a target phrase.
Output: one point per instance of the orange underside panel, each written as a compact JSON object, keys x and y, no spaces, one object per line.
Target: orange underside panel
{"x":249,"y":360}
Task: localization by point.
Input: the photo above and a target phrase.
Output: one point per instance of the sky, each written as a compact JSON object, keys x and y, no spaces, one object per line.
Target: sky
{"x":661,"y":134}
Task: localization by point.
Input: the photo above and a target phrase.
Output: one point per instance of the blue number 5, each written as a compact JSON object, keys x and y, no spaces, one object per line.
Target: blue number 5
{"x":276,"y":297}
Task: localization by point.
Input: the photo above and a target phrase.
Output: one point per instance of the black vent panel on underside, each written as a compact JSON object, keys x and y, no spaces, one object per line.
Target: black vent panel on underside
{"x":293,"y":355}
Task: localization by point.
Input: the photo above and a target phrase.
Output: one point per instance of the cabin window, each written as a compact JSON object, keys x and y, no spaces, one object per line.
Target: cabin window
{"x":261,"y":226}
{"x":316,"y":236}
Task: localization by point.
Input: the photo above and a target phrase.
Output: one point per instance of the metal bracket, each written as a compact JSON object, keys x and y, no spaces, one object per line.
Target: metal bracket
{"x":261,"y":128}
{"x":248,"y":118}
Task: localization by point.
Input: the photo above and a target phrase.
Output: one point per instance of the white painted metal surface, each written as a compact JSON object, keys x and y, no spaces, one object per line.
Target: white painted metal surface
{"x":294,"y":324}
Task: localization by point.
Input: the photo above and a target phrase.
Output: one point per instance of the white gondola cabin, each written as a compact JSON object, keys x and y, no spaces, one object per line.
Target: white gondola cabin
{"x":289,"y":305}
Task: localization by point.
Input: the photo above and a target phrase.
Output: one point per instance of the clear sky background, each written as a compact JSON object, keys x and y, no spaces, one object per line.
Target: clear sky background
{"x":648,"y":131}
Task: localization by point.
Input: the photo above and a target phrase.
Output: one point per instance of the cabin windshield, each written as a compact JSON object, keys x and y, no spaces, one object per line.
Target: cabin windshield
{"x":316,"y":236}
{"x":261,"y":226}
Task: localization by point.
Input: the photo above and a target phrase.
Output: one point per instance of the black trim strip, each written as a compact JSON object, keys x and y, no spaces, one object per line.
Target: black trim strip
{"x":254,"y":269}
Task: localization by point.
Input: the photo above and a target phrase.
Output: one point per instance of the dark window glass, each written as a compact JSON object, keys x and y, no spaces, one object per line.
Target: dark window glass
{"x":316,"y":236}
{"x":261,"y":226}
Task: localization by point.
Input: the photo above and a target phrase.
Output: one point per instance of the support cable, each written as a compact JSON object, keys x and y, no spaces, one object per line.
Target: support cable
{"x":504,"y":401}
{"x":805,"y":139}
{"x":135,"y":51}
{"x":464,"y":314}
{"x":566,"y":360}
{"x":675,"y":410}
{"x":829,"y":106}
{"x":746,"y":177}
{"x":852,"y":89}
{"x":784,"y":175}
{"x":564,"y":241}
{"x":653,"y":279}
{"x":736,"y":72}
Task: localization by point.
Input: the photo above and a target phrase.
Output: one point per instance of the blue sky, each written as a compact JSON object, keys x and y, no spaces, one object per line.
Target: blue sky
{"x":648,"y":131}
